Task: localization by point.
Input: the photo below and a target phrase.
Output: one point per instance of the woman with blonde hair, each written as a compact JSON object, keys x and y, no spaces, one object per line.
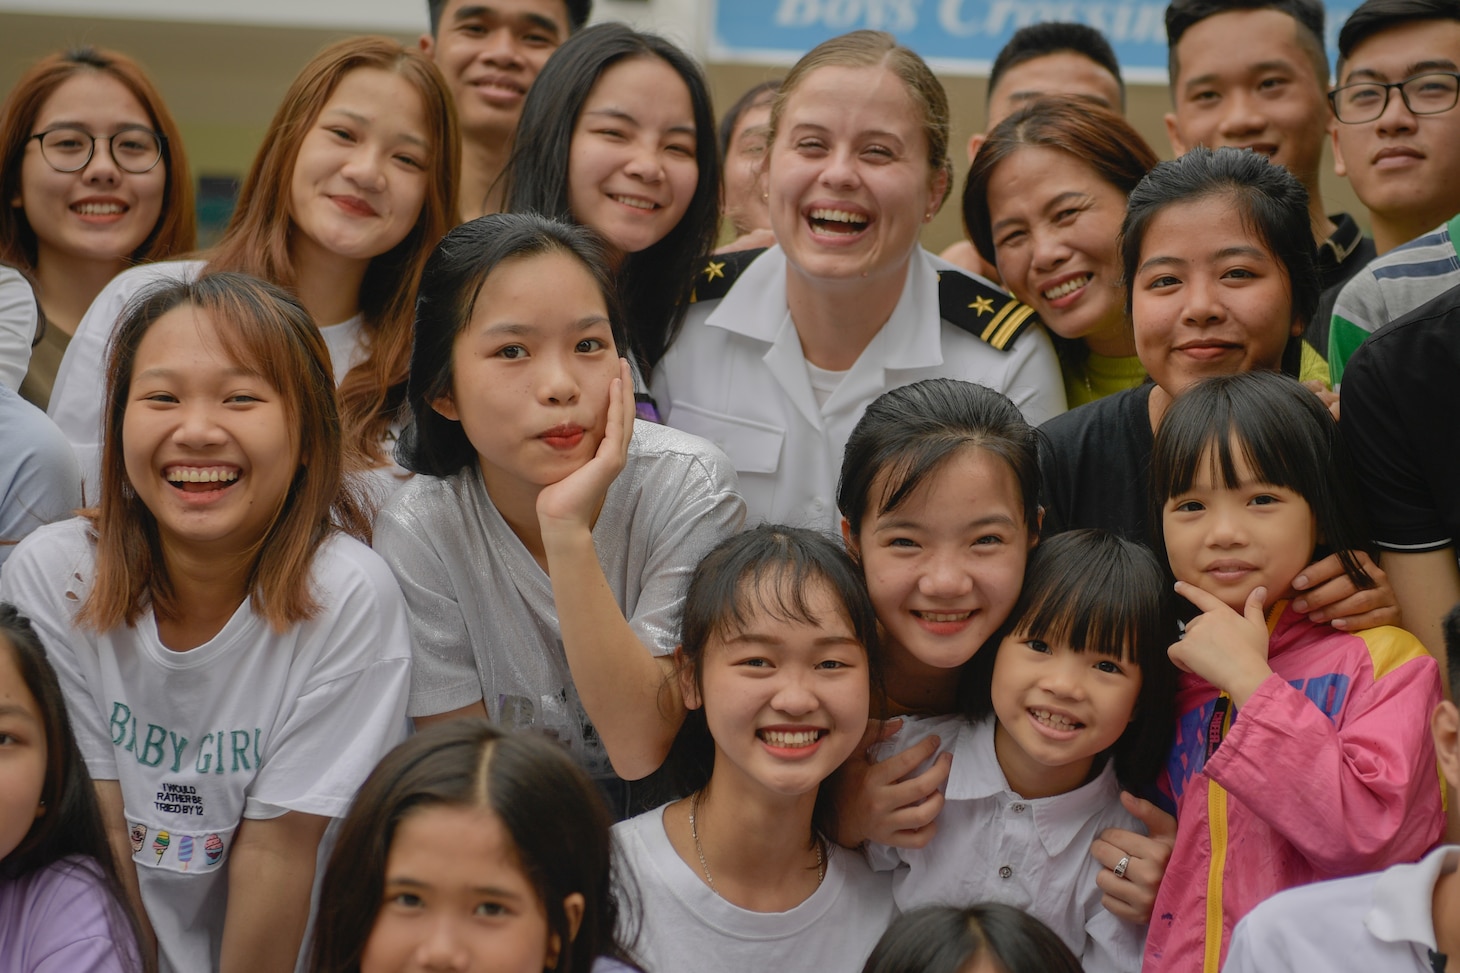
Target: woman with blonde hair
{"x":355,"y":182}
{"x":95,"y":179}
{"x":783,"y":349}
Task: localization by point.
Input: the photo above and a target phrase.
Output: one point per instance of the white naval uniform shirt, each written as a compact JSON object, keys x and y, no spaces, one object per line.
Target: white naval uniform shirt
{"x":736,"y":376}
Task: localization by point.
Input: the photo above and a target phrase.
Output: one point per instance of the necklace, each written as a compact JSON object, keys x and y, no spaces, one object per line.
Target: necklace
{"x":694,"y":833}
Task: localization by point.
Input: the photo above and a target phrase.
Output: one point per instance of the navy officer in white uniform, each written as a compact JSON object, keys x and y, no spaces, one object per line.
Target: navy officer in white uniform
{"x":783,"y":349}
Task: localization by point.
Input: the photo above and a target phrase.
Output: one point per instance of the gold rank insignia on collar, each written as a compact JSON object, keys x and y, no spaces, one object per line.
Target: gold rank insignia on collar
{"x":719,"y":272}
{"x":983,"y":310}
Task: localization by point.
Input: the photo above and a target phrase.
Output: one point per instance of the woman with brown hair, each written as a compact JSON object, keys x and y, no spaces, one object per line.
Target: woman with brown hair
{"x":1044,"y":201}
{"x":354,"y":183}
{"x":94,"y":177}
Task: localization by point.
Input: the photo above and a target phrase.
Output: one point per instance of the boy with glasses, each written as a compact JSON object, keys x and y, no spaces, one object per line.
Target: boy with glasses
{"x":1397,"y":138}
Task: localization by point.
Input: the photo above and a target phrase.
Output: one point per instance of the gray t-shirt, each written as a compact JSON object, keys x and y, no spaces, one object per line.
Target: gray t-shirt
{"x":483,"y":622}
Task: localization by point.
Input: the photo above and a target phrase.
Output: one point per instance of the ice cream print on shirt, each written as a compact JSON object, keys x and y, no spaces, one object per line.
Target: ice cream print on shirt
{"x":195,"y":780}
{"x":179,"y":851}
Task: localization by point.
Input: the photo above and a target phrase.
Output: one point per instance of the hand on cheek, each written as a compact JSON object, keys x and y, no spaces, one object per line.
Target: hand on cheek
{"x":574,"y":501}
{"x":1226,"y":649}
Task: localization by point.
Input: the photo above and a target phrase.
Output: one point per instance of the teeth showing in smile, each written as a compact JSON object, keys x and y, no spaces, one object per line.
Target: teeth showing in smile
{"x":193,"y":474}
{"x":790,"y":740}
{"x":943,"y":616}
{"x":838,"y":221}
{"x":1068,"y":287}
{"x":99,"y":209}
{"x":636,"y":202}
{"x":1054,"y":720}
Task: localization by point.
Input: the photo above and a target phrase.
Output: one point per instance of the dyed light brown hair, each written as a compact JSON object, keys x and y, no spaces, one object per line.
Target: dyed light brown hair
{"x":875,"y":48}
{"x":176,"y":229}
{"x":263,"y":329}
{"x":257,"y":238}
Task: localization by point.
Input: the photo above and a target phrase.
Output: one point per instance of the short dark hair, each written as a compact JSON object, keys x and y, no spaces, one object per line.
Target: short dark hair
{"x":654,"y":284}
{"x":913,"y":430}
{"x":1182,"y":15}
{"x":578,"y":13}
{"x":769,"y":568}
{"x":1096,"y":592}
{"x":1452,"y":649}
{"x":553,"y":815}
{"x":1375,"y":16}
{"x":454,"y":275}
{"x":71,"y":833}
{"x":1273,"y":204}
{"x":742,"y":105}
{"x":949,"y":939}
{"x":1055,"y":37}
{"x":1287,"y":439}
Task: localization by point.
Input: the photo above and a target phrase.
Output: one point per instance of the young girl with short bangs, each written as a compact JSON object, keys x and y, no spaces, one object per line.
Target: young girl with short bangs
{"x":61,"y":905}
{"x":777,"y":664}
{"x":1071,"y":706}
{"x":233,"y":661}
{"x":470,"y":848}
{"x":1302,"y":752}
{"x":354,"y":183}
{"x":544,"y":551}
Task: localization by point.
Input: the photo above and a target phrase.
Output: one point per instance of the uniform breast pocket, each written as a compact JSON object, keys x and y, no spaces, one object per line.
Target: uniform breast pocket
{"x":753,"y":447}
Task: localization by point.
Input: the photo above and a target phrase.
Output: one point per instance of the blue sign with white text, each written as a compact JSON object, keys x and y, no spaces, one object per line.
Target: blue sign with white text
{"x":957,"y":35}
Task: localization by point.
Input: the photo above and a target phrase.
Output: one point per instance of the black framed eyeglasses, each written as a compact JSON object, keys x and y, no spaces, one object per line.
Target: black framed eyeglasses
{"x":134,"y":149}
{"x":1423,"y":94}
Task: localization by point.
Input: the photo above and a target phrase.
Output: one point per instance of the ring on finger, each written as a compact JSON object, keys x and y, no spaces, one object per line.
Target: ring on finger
{"x":1121,"y":866}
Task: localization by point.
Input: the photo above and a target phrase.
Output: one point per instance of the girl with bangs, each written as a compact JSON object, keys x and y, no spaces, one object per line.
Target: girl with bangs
{"x":355,"y":182}
{"x":1072,"y":704}
{"x":95,"y":180}
{"x":1302,"y":753}
{"x":233,"y":661}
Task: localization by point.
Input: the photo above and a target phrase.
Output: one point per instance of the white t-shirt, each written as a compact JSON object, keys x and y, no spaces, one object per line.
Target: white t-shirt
{"x":483,"y":620}
{"x":18,"y":319}
{"x":684,"y":925}
{"x":994,"y":846}
{"x":77,"y":399}
{"x":251,"y":724}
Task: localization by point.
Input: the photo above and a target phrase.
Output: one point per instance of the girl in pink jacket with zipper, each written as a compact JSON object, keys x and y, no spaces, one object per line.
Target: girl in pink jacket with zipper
{"x":1302,"y":752}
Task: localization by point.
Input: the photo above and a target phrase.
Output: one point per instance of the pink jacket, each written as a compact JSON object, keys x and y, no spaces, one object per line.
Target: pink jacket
{"x":1329,"y":770}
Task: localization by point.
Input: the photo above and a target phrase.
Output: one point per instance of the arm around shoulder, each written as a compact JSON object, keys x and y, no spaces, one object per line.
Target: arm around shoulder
{"x":1427,"y":586}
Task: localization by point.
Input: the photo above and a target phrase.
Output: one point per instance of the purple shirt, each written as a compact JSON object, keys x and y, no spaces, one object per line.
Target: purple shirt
{"x":63,"y":919}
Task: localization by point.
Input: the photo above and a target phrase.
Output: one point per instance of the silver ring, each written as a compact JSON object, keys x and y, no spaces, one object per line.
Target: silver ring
{"x":1121,"y":866}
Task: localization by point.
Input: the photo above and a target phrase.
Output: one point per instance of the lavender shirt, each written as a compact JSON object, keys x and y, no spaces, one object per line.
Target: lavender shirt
{"x":62,"y":919}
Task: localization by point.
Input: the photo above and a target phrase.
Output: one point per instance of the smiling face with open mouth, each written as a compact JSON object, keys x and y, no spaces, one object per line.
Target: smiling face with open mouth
{"x":631,"y":167}
{"x":786,"y":699}
{"x":100,"y":212}
{"x":848,"y":175}
{"x":945,"y":566}
{"x":1055,"y":227}
{"x":1057,"y":710}
{"x":208,"y":444}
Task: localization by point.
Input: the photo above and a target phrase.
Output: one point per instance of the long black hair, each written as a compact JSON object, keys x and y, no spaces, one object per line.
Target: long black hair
{"x":553,"y":814}
{"x":655,"y":284}
{"x":70,"y":824}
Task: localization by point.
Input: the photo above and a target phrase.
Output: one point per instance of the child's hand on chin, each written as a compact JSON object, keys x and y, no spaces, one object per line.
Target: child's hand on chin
{"x":574,"y":501}
{"x":1226,"y":649}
